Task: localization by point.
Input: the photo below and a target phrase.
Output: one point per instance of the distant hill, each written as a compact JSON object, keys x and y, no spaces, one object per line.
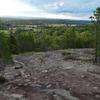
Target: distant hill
{"x":18,"y":21}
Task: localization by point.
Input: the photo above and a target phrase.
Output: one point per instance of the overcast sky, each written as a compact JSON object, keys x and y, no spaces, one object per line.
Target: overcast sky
{"x":60,"y":9}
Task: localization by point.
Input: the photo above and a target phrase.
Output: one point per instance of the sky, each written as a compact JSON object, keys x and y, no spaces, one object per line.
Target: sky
{"x":58,"y":9}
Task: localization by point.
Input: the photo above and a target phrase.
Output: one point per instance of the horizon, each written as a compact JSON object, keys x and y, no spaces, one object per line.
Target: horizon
{"x":39,"y":18}
{"x":49,"y":9}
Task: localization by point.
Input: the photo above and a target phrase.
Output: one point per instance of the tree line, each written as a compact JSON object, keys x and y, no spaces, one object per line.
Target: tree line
{"x":51,"y":38}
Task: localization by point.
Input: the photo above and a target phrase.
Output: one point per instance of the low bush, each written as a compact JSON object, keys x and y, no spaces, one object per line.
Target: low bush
{"x":66,"y":52}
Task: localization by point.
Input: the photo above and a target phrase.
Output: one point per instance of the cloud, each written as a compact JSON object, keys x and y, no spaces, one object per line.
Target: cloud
{"x":14,"y":7}
{"x":55,"y":5}
{"x":20,"y":8}
{"x":44,"y":14}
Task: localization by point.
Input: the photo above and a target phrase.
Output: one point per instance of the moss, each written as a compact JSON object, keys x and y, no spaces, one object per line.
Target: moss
{"x":66,"y":52}
{"x":70,"y":57}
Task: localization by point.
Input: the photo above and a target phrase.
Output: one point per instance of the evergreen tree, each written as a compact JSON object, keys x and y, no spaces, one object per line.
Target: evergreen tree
{"x":96,"y":20}
{"x":5,"y":48}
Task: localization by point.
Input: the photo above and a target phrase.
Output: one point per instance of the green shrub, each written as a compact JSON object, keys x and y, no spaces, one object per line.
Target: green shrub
{"x":25,"y":41}
{"x":69,"y":38}
{"x":5,"y":48}
{"x":84,"y":40}
{"x":13,"y":44}
{"x":70,"y":57}
{"x":66,"y":52}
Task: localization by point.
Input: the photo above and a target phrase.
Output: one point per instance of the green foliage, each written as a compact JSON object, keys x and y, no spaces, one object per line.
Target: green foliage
{"x":96,"y":21}
{"x":69,"y":38}
{"x":4,"y":48}
{"x":66,"y":52}
{"x":46,"y":38}
{"x":97,"y":14}
{"x":45,"y":41}
{"x":51,"y":38}
{"x":84,"y":39}
{"x":97,"y":17}
{"x":13,"y":43}
{"x":25,"y":41}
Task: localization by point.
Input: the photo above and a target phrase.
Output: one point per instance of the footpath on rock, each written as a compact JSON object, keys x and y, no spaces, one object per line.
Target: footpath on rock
{"x":51,"y":75}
